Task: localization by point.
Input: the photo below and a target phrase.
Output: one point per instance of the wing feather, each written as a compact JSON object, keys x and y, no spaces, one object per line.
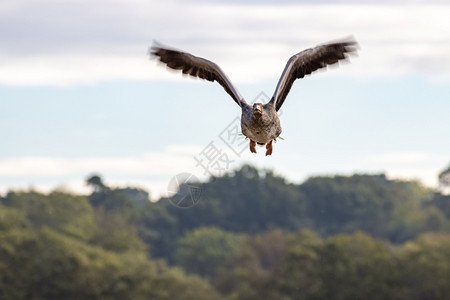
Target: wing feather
{"x":310,"y":60}
{"x":197,"y":67}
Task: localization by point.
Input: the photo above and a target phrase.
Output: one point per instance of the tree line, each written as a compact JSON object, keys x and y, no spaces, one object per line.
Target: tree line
{"x":251,"y":235}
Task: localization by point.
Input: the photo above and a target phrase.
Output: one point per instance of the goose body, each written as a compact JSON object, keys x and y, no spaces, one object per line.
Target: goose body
{"x":260,"y":122}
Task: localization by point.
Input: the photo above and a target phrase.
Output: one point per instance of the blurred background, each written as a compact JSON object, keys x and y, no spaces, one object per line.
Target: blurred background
{"x":352,"y":203}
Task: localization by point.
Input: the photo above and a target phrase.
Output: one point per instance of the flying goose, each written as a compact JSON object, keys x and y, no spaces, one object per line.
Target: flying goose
{"x":260,"y":122}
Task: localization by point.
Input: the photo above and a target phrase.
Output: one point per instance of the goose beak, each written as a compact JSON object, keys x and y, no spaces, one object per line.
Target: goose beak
{"x":257,"y":111}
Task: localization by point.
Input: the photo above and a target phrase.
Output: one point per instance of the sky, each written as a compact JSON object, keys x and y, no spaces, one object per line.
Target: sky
{"x":79,"y":94}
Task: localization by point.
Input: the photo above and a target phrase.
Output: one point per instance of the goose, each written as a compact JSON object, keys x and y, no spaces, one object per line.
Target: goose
{"x":259,"y":122}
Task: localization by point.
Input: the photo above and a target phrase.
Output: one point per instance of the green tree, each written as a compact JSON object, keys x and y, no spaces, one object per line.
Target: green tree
{"x":18,"y":247}
{"x":205,"y":251}
{"x":423,"y":267}
{"x":96,"y":182}
{"x":11,"y":218}
{"x":370,"y":203}
{"x":116,"y":232}
{"x":296,"y":276}
{"x":252,"y":265}
{"x":112,"y":200}
{"x":157,"y":228}
{"x":50,"y":265}
{"x":444,"y":177}
{"x":355,"y":267}
{"x":442,"y":203}
{"x":63,"y":212}
{"x":249,"y":201}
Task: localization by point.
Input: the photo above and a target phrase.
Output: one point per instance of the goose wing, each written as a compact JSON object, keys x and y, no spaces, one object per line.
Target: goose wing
{"x":197,"y":67}
{"x":308,"y":61}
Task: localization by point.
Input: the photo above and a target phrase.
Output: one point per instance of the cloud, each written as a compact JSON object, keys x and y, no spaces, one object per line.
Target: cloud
{"x":75,"y":69}
{"x":173,"y":159}
{"x":151,"y":171}
{"x":418,"y":165}
{"x":79,"y":42}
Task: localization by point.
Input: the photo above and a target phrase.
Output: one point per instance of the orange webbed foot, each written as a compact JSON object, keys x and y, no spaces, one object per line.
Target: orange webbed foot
{"x":269,"y":148}
{"x":252,"y":146}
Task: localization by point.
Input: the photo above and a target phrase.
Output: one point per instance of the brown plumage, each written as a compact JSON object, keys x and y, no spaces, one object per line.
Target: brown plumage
{"x":260,"y":123}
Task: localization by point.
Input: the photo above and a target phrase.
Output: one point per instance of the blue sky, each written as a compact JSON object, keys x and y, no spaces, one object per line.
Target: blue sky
{"x":78,"y":93}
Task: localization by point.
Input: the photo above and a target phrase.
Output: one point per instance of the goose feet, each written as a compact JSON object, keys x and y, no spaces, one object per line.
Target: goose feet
{"x":269,"y":148}
{"x":252,"y":146}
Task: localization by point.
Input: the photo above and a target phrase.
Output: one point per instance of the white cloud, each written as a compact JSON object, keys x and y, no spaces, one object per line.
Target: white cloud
{"x":151,"y":171}
{"x":87,"y":41}
{"x":418,"y":165}
{"x":175,"y":158}
{"x":67,"y":69}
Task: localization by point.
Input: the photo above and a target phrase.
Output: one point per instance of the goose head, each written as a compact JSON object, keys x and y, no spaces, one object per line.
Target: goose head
{"x":257,"y":109}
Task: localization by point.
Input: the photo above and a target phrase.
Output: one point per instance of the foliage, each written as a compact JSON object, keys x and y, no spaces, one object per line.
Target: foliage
{"x":249,"y":200}
{"x":371,"y":203}
{"x":442,"y":204}
{"x":42,"y":257}
{"x":252,"y":201}
{"x":66,"y":213}
{"x":347,"y":267}
{"x":206,"y":250}
{"x":252,"y":264}
{"x":96,"y":182}
{"x":444,"y":177}
{"x":252,"y":235}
